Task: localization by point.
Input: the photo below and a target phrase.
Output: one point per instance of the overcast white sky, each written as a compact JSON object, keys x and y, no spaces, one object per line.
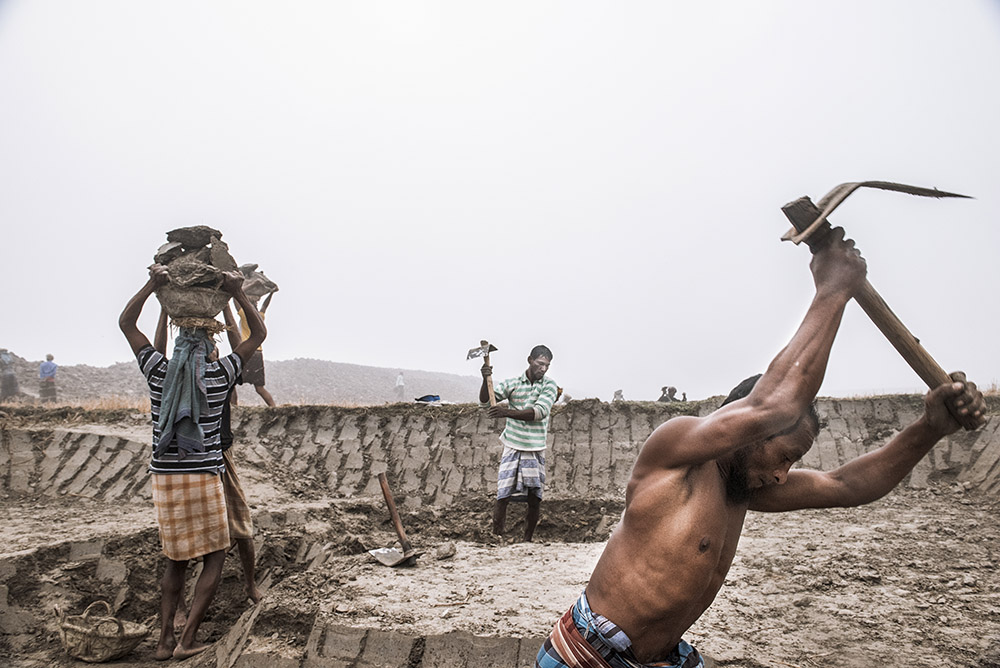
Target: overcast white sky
{"x":604,"y":178}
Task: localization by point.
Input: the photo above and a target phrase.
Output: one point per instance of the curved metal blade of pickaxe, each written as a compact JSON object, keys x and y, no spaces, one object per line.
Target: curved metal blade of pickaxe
{"x":484,"y":350}
{"x":830,"y":201}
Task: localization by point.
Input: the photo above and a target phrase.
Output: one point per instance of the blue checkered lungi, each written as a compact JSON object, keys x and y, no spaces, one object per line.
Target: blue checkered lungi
{"x":520,"y":471}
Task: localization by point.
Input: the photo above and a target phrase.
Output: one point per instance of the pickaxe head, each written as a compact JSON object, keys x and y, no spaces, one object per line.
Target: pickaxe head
{"x":808,"y":218}
{"x":484,"y":349}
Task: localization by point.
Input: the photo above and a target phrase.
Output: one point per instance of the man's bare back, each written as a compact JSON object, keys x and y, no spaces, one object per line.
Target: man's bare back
{"x":696,"y":477}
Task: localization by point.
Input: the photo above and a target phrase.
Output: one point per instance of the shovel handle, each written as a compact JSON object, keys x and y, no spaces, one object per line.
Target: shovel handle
{"x":387,"y":493}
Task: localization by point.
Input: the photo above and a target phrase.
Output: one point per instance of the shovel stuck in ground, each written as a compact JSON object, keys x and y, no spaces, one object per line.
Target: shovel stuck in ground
{"x":391,"y":556}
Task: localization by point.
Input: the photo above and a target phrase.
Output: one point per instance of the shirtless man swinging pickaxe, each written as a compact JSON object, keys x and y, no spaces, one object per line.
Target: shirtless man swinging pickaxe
{"x":696,"y":477}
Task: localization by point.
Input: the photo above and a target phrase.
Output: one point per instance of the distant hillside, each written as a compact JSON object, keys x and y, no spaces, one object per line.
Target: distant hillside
{"x":298,"y":381}
{"x":308,"y":381}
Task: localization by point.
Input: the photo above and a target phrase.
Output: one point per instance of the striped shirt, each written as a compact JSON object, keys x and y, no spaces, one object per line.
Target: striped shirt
{"x":520,"y":394}
{"x":219,"y":377}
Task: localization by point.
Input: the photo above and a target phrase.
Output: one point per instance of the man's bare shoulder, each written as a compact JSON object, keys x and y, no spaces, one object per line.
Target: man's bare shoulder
{"x":667,"y":446}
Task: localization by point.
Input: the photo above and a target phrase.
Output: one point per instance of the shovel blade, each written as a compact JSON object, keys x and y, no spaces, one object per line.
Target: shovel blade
{"x":388,"y":556}
{"x":391,"y":556}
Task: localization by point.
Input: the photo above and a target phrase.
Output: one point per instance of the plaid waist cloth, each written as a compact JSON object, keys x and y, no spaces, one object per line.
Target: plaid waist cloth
{"x":582,"y":639}
{"x":237,"y":509}
{"x":191,"y":513}
{"x":520,"y":470}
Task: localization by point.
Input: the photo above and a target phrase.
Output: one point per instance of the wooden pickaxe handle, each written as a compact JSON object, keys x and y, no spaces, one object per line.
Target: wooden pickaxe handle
{"x":802,"y":212}
{"x":489,"y":381}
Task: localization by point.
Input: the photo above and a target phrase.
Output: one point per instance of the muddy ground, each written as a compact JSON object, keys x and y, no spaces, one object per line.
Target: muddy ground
{"x":908,"y":581}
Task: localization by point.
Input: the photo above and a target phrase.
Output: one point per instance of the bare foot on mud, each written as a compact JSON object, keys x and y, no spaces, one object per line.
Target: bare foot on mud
{"x":181,"y":653}
{"x":254,"y":594}
{"x":165,"y":650}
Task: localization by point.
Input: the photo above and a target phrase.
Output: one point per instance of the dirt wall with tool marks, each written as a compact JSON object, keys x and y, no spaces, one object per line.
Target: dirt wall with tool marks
{"x":436,"y":454}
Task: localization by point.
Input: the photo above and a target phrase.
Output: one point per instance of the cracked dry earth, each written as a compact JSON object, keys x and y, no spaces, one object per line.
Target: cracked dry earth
{"x":908,"y":581}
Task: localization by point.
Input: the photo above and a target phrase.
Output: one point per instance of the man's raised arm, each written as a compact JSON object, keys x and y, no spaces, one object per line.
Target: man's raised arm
{"x":484,"y":393}
{"x":267,"y":301}
{"x":232,"y":282}
{"x":232,"y":328}
{"x":873,"y":475}
{"x":130,"y":315}
{"x":160,"y":336}
{"x":783,"y":394}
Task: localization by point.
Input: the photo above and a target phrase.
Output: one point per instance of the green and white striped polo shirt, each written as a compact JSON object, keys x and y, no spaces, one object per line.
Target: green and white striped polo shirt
{"x":521,"y":393}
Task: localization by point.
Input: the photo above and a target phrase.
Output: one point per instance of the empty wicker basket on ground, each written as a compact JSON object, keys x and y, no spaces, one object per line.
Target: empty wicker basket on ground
{"x":97,"y":637}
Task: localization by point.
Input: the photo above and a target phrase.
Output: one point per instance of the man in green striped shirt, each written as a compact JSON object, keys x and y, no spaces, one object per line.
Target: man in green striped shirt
{"x":522,"y":466}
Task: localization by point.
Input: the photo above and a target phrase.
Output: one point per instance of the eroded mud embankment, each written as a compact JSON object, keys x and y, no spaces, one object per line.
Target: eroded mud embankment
{"x":438,"y":454}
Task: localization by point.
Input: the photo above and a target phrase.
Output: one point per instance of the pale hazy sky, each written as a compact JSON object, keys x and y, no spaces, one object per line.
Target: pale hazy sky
{"x":604,"y":178}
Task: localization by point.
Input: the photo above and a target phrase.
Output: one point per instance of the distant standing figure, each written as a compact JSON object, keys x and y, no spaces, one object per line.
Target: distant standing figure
{"x":669,"y":393}
{"x":619,"y":396}
{"x":47,"y":379}
{"x":254,"y":371}
{"x":400,"y":386}
{"x":522,"y":465}
{"x":9,"y":388}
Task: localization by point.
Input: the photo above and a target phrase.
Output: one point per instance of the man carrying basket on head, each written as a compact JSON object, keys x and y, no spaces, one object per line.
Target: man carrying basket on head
{"x":187,"y":394}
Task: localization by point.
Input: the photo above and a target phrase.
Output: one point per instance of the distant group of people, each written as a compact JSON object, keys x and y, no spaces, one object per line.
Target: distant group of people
{"x":667,"y":393}
{"x":10,"y":388}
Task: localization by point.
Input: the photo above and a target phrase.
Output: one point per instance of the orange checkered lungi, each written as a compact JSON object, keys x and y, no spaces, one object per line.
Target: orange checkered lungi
{"x":191,"y":513}
{"x":240,"y":524}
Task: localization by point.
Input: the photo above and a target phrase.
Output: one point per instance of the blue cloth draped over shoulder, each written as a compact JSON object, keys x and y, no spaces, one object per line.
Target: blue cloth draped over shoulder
{"x":185,"y":397}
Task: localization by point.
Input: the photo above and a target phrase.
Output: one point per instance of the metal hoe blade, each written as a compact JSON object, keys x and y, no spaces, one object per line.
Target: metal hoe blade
{"x":830,"y":201}
{"x":483,"y":350}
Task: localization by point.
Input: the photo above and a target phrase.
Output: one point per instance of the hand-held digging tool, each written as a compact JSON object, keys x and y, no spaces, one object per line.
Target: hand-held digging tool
{"x":484,"y":350}
{"x":390,"y":556}
{"x":810,"y":225}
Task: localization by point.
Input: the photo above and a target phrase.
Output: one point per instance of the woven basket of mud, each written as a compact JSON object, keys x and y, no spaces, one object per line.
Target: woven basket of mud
{"x":97,"y":636}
